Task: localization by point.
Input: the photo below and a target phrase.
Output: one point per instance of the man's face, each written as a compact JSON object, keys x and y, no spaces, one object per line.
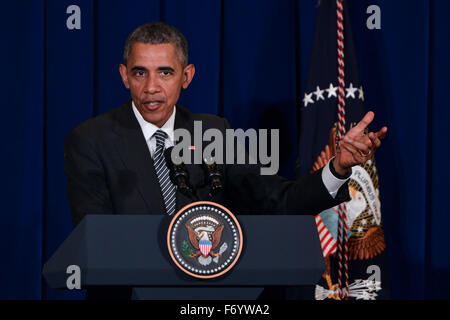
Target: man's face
{"x":154,"y":74}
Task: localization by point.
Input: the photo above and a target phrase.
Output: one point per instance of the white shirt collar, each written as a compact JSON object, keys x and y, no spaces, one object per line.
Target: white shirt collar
{"x":148,"y":129}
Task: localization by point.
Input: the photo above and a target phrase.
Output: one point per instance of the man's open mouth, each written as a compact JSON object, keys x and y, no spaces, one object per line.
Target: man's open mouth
{"x":152,"y":105}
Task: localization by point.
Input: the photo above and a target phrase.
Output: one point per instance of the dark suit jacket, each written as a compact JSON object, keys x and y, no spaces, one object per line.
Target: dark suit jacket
{"x":110,"y":171}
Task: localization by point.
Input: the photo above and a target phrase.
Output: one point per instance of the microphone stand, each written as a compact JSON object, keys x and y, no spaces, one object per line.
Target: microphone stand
{"x":214,"y":177}
{"x":180,"y":176}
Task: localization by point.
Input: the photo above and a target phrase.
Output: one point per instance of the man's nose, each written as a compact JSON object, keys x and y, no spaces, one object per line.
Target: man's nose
{"x":152,"y":84}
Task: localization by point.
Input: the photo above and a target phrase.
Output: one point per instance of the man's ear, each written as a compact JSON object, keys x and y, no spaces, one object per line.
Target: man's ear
{"x":123,"y":74}
{"x":188,"y":74}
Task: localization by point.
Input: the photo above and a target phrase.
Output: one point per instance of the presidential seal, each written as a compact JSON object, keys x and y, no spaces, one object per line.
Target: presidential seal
{"x":204,"y":240}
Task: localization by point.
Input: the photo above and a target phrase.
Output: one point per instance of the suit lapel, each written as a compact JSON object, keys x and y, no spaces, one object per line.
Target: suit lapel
{"x":183,"y":120}
{"x":133,"y":150}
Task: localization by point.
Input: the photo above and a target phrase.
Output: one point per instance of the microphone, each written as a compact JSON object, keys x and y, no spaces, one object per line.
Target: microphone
{"x":179,"y":176}
{"x":213,"y":176}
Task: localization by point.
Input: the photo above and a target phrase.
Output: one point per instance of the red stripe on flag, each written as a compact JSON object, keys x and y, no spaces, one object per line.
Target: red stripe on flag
{"x":327,"y":242}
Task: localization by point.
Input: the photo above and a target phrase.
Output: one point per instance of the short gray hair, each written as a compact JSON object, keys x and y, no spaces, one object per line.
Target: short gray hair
{"x":158,"y":33}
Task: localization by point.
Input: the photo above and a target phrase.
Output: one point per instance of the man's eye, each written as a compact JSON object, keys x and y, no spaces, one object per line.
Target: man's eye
{"x":165,"y":73}
{"x":140,"y":73}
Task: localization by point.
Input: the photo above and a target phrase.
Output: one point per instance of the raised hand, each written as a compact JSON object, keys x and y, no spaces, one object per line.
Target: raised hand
{"x":356,"y":147}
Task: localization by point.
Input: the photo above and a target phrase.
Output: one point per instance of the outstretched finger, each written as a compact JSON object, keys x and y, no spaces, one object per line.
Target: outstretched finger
{"x":375,"y":141}
{"x":365,"y":121}
{"x":382,"y":133}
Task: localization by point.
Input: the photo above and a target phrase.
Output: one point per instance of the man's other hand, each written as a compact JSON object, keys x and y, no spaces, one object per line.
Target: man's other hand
{"x":356,"y":147}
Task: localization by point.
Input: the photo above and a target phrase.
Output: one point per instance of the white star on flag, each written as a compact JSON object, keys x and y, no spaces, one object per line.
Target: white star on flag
{"x":361,"y":93}
{"x":319,"y":94}
{"x":307,"y":99}
{"x":331,"y":91}
{"x":351,"y":91}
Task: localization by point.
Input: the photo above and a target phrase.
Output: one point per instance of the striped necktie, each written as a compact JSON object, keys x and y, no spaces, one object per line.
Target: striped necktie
{"x":166,"y":185}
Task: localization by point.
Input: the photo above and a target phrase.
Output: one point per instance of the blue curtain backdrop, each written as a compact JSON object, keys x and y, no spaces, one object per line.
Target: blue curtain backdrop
{"x":252,"y":59}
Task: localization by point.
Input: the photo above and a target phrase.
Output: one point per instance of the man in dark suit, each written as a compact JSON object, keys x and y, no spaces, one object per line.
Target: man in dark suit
{"x":114,"y":162}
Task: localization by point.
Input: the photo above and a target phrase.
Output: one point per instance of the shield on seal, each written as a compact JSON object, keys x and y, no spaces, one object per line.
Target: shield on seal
{"x":205,"y":247}
{"x":204,"y":240}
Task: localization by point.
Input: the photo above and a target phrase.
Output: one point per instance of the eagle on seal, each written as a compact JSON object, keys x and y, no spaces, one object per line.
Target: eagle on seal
{"x":211,"y":239}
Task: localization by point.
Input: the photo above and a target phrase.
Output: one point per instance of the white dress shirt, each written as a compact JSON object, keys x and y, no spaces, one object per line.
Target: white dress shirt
{"x":148,"y":129}
{"x":331,"y":182}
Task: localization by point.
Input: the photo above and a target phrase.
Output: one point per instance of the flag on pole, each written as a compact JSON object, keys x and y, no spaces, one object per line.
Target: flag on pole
{"x":334,"y":100}
{"x":327,"y":241}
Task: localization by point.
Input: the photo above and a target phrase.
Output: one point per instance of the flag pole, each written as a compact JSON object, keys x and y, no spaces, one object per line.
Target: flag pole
{"x":342,"y":249}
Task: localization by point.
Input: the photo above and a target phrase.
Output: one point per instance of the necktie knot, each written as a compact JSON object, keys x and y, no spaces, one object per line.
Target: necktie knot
{"x":160,"y":137}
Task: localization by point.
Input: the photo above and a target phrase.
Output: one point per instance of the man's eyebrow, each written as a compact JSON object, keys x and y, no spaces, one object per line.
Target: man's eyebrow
{"x":166,"y":68}
{"x":139,"y":68}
